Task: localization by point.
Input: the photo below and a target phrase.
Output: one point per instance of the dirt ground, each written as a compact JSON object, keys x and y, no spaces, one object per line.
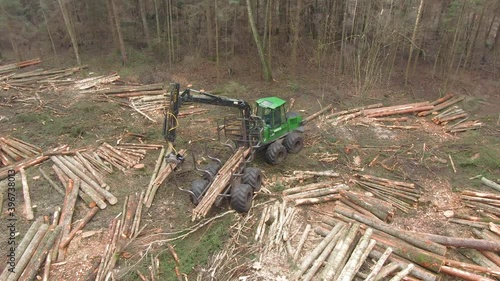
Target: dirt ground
{"x":420,"y":156}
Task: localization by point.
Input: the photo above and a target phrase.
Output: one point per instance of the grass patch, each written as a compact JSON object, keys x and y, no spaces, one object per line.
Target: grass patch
{"x":195,"y":250}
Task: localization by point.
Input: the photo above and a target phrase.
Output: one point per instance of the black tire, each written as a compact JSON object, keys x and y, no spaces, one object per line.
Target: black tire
{"x":212,"y":169}
{"x":252,"y":177}
{"x":241,"y":198}
{"x":275,"y":153}
{"x":294,"y":142}
{"x":197,"y":188}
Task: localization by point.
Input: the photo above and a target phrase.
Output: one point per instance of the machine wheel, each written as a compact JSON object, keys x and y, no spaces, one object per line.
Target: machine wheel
{"x":212,"y":169}
{"x":275,"y":153}
{"x":253,"y":177}
{"x":294,"y":142}
{"x":197,"y":187}
{"x":241,"y":198}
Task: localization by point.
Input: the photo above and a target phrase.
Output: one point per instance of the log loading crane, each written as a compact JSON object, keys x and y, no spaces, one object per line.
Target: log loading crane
{"x":269,"y":127}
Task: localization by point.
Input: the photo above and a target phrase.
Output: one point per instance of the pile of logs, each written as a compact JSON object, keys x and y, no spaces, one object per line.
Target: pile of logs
{"x":13,"y":150}
{"x":40,"y":79}
{"x":92,"y":82}
{"x":93,"y":190}
{"x":462,"y":126}
{"x":163,"y":169}
{"x":121,"y":157}
{"x":398,"y":109}
{"x":120,"y":232}
{"x":367,"y":205}
{"x":314,"y":193}
{"x":487,"y":202}
{"x":8,"y":68}
{"x":221,"y":182}
{"x":32,"y":251}
{"x":451,"y":114}
{"x":31,"y":161}
{"x":402,"y":195}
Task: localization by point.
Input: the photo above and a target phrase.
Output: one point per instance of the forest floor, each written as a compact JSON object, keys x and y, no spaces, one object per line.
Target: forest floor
{"x":421,"y":156}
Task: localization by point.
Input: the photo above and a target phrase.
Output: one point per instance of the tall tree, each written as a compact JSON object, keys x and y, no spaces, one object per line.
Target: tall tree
{"x":413,"y":40}
{"x":116,"y":21}
{"x":145,"y":27}
{"x":266,"y":70}
{"x":70,"y":29}
{"x":296,"y":32}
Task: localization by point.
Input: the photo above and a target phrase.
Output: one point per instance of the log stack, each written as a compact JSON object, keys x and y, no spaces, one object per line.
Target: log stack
{"x":402,"y":195}
{"x":8,"y":68}
{"x":122,"y":158}
{"x":482,"y":201}
{"x":41,"y":79}
{"x":221,"y":182}
{"x":32,"y":251}
{"x":13,"y":150}
{"x":93,"y":82}
{"x":128,"y":91}
{"x":314,"y":193}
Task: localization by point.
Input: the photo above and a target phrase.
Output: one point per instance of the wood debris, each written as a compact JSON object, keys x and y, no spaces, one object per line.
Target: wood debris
{"x":13,"y":150}
{"x":486,"y":202}
{"x":8,"y":68}
{"x":120,"y":157}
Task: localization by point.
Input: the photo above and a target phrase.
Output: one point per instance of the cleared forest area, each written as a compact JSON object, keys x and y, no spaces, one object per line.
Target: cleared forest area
{"x":398,"y":178}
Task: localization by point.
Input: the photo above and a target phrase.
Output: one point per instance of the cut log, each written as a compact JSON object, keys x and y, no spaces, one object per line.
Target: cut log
{"x":350,"y":269}
{"x":472,"y":267}
{"x":442,"y":106}
{"x":354,"y":110}
{"x":387,"y":270}
{"x":26,"y":194}
{"x":335,"y":262}
{"x":155,"y":172}
{"x":129,"y":215}
{"x":379,"y":208}
{"x":315,"y":115}
{"x":490,"y":183}
{"x":403,"y":235}
{"x":418,"y":272}
{"x":91,"y":169}
{"x":318,"y":192}
{"x":28,"y":253}
{"x":317,"y":200}
{"x":443,"y":99}
{"x":40,"y":255}
{"x":86,"y":188}
{"x":125,"y":89}
{"x":463,"y":274}
{"x":478,"y":244}
{"x":307,"y":187}
{"x":380,"y":263}
{"x":317,"y":173}
{"x":312,"y":256}
{"x":403,"y":273}
{"x":52,"y":183}
{"x":64,"y":243}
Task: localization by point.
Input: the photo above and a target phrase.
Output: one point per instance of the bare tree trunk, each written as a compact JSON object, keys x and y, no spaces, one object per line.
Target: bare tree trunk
{"x":413,"y":40}
{"x":296,"y":31}
{"x":70,"y":29}
{"x":157,"y":18}
{"x":116,"y":20}
{"x":342,"y":42}
{"x":266,"y":70}
{"x":217,"y":41}
{"x":210,"y":31}
{"x":142,"y":11}
{"x":472,"y":45}
{"x":453,"y":46}
{"x":48,"y":28}
{"x":269,"y":32}
{"x":112,"y":24}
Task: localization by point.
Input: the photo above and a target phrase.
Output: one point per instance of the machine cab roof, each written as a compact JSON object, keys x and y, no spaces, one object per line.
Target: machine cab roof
{"x":270,"y":102}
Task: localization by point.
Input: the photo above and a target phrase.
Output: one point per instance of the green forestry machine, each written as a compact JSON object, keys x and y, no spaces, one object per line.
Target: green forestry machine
{"x":268,"y":127}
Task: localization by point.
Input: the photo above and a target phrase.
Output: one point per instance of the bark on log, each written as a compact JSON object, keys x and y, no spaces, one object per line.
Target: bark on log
{"x":39,"y":256}
{"x":376,"y":268}
{"x":155,"y":172}
{"x":472,"y":267}
{"x":478,"y":258}
{"x":386,"y":270}
{"x":349,"y":111}
{"x":52,"y":183}
{"x":443,"y":99}
{"x":411,"y":238}
{"x":478,"y":244}
{"x":316,"y":200}
{"x":463,"y":274}
{"x":125,"y":89}
{"x":350,"y":269}
{"x":307,"y":187}
{"x":318,"y":192}
{"x":490,"y":183}
{"x":442,"y":106}
{"x":26,"y":195}
{"x":335,"y":262}
{"x":91,"y":169}
{"x":418,"y":272}
{"x":86,"y":188}
{"x":379,"y":208}
{"x":312,"y":256}
{"x":28,"y":253}
{"x":403,"y":273}
{"x":416,"y":255}
{"x":128,"y":218}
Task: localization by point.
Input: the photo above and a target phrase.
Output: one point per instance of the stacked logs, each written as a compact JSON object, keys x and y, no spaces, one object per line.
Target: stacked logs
{"x":345,"y":115}
{"x":122,"y":158}
{"x":314,"y":193}
{"x":120,"y":232}
{"x":463,"y":125}
{"x":486,"y":202}
{"x":367,"y":205}
{"x":92,"y":82}
{"x":398,"y":109}
{"x":93,"y":189}
{"x":13,"y":150}
{"x":41,"y":79}
{"x":32,"y":251}
{"x":220,"y":182}
{"x":402,"y":195}
{"x":451,"y":114}
{"x":31,"y":161}
{"x":14,"y":66}
{"x":128,"y":91}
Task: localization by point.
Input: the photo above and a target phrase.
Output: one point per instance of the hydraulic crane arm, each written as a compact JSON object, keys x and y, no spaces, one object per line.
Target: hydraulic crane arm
{"x":189,"y":95}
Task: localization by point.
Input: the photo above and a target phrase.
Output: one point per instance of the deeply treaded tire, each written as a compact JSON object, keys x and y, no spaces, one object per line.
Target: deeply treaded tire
{"x":276,"y":153}
{"x":294,"y":142}
{"x":197,"y":187}
{"x":212,"y":169}
{"x":241,"y":198}
{"x":253,"y":177}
